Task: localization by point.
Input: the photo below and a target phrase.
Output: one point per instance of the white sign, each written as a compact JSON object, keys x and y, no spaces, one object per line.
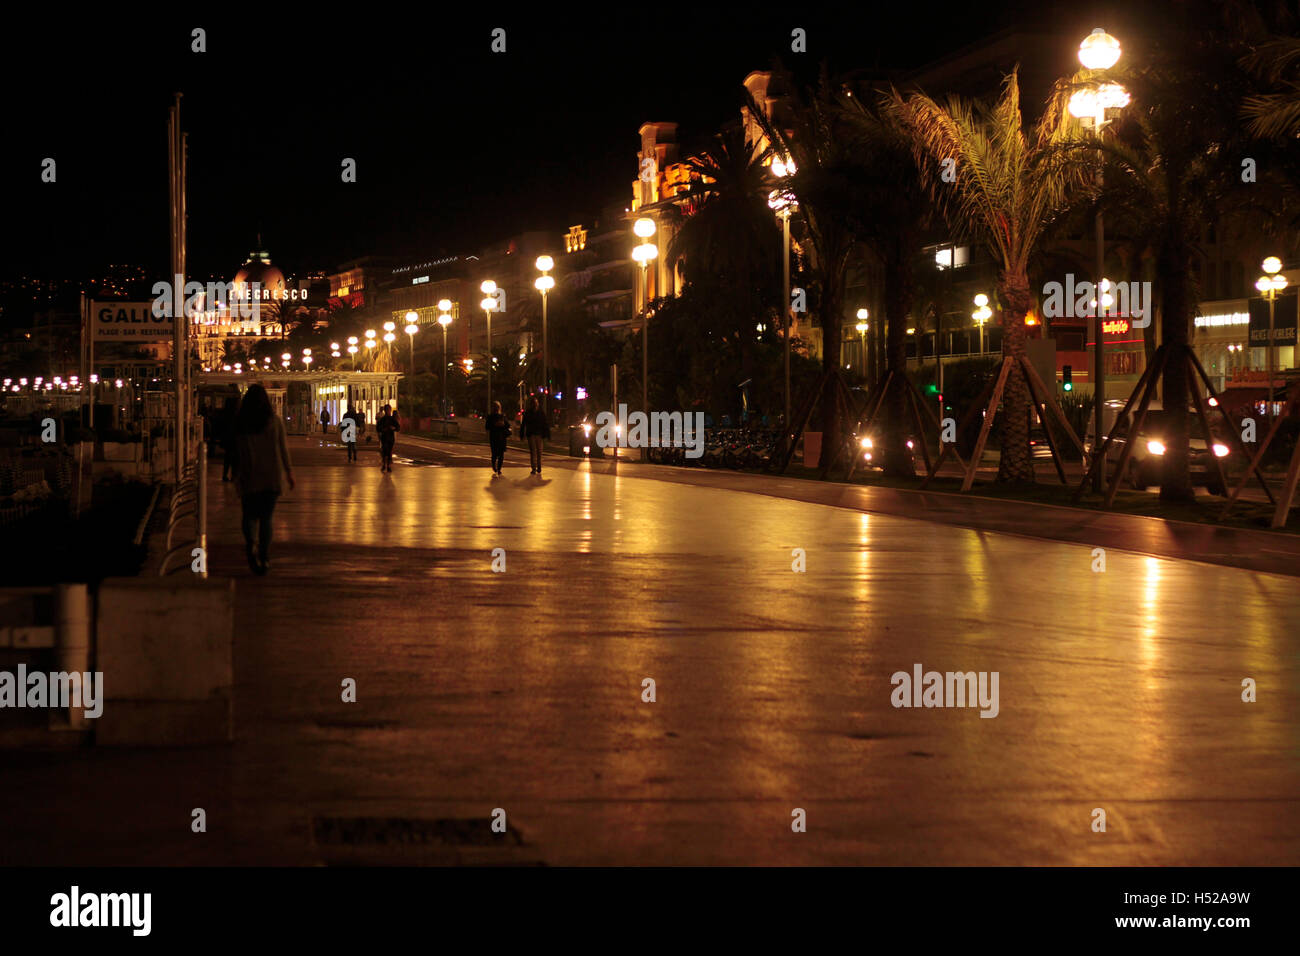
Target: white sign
{"x":129,"y":322}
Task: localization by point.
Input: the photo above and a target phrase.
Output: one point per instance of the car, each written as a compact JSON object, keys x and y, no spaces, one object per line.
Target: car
{"x":872,"y":456}
{"x":1038,"y":444}
{"x":1145,"y":465}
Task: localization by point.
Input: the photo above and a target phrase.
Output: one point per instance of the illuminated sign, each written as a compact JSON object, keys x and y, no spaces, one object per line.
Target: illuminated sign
{"x":1229,"y":318}
{"x":240,"y":290}
{"x":1115,"y":326}
{"x":419,"y":279}
{"x":129,"y":322}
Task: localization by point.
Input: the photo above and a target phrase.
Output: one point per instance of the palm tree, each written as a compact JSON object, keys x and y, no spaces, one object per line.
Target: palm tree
{"x":1009,"y":186}
{"x":728,"y":240}
{"x":1172,"y":167}
{"x":827,"y":184}
{"x":1274,"y":113}
{"x":891,"y":221}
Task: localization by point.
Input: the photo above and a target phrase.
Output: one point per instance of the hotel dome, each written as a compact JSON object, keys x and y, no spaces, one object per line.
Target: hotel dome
{"x":257,"y":268}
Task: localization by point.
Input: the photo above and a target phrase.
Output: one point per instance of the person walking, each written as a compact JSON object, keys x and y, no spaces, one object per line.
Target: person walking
{"x":263,"y":464}
{"x":498,"y":430}
{"x":325,"y":421}
{"x":388,"y":426}
{"x":358,"y":422}
{"x":534,"y":427}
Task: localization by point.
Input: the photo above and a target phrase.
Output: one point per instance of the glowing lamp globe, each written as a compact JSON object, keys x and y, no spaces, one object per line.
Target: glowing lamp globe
{"x":488,"y":287}
{"x":544,"y":283}
{"x":444,"y":305}
{"x":1099,"y":50}
{"x":545,"y":263}
{"x":645,"y":228}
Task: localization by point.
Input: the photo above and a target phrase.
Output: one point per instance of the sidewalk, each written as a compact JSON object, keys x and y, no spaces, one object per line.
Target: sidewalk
{"x":523,"y":690}
{"x":1265,"y":551}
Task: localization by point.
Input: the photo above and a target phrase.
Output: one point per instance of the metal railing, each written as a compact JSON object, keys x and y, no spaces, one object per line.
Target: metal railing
{"x":188,"y":516}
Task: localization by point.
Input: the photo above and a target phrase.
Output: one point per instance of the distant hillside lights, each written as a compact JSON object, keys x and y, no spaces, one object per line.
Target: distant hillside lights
{"x":1079,"y":300}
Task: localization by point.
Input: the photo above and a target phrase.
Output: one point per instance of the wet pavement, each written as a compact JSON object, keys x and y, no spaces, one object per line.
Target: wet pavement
{"x":522,"y":690}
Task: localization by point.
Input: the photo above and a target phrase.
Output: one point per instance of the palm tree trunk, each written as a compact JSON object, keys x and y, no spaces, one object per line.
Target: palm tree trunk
{"x":832,"y":331}
{"x":1015,"y":464}
{"x":1176,"y":482}
{"x":898,"y":303}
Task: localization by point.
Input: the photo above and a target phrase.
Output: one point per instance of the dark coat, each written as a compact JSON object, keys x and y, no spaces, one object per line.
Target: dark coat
{"x":534,"y":423}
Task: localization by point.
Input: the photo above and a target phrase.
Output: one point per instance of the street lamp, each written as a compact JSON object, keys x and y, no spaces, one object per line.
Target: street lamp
{"x":862,"y":327}
{"x":306,"y":358}
{"x":444,"y":320}
{"x":285,"y":359}
{"x":1098,"y":51}
{"x":782,"y":202}
{"x":544,"y":285}
{"x":981,"y":315}
{"x":645,"y":253}
{"x":412,"y":326}
{"x":352,"y":350}
{"x":1270,"y":284}
{"x":488,"y":304}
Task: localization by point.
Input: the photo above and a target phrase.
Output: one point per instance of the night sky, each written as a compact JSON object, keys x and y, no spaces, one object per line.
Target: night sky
{"x":455,"y":146}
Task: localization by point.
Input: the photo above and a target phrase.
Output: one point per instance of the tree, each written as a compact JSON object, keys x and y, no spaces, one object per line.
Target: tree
{"x":1006,"y":187}
{"x":729,"y":244}
{"x":826,"y":184}
{"x":891,"y":221}
{"x":1171,"y":167}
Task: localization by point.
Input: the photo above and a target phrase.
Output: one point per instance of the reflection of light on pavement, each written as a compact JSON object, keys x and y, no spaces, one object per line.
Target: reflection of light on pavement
{"x":1150,"y":610}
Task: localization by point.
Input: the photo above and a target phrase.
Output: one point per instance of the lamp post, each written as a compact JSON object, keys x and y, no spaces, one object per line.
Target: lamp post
{"x":1098,"y":51}
{"x":981,"y":315}
{"x":352,"y":350}
{"x":1270,"y":284}
{"x":645,"y":253}
{"x":544,"y":285}
{"x":862,"y":327}
{"x":444,"y":320}
{"x":412,"y":326}
{"x":489,"y":303}
{"x":784,"y":204}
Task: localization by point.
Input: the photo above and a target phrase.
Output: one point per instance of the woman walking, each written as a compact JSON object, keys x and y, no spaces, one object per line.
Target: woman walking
{"x":388,"y":426}
{"x":498,"y":430}
{"x":534,"y":427}
{"x":263,"y":455}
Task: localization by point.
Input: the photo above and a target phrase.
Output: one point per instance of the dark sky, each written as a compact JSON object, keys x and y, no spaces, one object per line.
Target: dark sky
{"x":454,"y":145}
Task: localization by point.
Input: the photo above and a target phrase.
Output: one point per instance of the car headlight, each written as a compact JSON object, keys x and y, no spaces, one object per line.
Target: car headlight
{"x":1220,"y":451}
{"x":1156,"y":447}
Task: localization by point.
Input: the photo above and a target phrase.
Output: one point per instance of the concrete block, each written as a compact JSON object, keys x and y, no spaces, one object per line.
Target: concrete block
{"x":166,"y":649}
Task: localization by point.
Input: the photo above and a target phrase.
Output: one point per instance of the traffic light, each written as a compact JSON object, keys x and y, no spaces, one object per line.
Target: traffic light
{"x":932,"y":389}
{"x":1067,"y":378}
